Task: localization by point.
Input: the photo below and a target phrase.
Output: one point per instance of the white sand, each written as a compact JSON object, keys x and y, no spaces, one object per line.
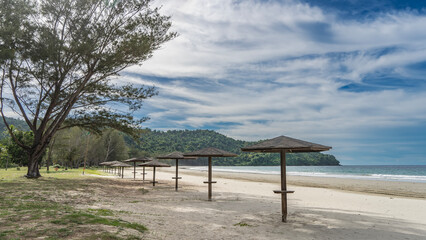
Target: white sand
{"x":314,"y":213}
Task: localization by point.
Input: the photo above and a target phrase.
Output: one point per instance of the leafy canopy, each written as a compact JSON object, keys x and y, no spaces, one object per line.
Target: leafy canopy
{"x":59,"y":62}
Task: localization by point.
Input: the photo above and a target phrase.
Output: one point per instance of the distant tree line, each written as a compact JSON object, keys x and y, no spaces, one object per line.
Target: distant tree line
{"x":155,"y":142}
{"x":71,"y":147}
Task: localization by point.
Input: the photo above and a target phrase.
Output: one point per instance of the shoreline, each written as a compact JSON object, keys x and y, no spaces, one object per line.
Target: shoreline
{"x":313,"y":172}
{"x":365,"y":186}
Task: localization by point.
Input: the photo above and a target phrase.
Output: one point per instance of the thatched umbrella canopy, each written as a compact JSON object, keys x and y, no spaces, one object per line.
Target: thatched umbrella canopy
{"x":134,"y":161}
{"x":210,"y":152}
{"x":121,"y":167}
{"x":154,"y":163}
{"x":103,"y":164}
{"x":284,"y":145}
{"x":110,"y":163}
{"x":176,"y":156}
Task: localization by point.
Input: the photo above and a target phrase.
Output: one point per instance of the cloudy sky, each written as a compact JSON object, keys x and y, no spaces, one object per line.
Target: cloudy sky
{"x":346,"y":73}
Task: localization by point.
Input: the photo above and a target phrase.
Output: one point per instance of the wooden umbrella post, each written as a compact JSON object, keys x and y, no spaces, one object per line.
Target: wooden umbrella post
{"x":134,"y":170}
{"x":153,"y":182}
{"x":177,"y":169}
{"x":283,"y":187}
{"x":122,"y":172}
{"x":283,"y":190}
{"x":210,"y":152}
{"x":210,"y":178}
{"x":143,"y":178}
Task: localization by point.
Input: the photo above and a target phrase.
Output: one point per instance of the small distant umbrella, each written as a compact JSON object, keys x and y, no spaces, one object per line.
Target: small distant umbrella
{"x":154,"y":163}
{"x":121,"y":167}
{"x":134,"y":161}
{"x":285,"y":145}
{"x":176,"y":156}
{"x":210,"y":152}
{"x":109,"y":163}
{"x":103,"y":164}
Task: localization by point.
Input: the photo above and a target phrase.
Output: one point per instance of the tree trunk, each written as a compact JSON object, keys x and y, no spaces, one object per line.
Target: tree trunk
{"x":34,"y":160}
{"x":33,"y":170}
{"x":49,"y":157}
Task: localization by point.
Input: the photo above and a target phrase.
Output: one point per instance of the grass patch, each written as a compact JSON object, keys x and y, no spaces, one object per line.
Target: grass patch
{"x":143,"y":190}
{"x":3,"y":234}
{"x":46,"y":207}
{"x":243,"y":224}
{"x":12,"y":174}
{"x":102,"y":212}
{"x":110,"y":236}
{"x":80,"y":218}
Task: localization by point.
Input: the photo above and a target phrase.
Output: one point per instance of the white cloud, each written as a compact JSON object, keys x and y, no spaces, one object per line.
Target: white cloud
{"x":277,"y":67}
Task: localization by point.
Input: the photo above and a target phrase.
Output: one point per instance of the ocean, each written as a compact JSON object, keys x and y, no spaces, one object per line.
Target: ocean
{"x":405,"y":173}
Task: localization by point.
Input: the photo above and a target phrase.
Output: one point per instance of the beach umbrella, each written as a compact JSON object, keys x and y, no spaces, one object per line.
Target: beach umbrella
{"x":210,"y":152}
{"x":109,"y":163}
{"x":134,"y":161}
{"x":121,"y":167}
{"x":283,"y":145}
{"x":176,"y":156}
{"x":154,"y":163}
{"x":103,"y":164}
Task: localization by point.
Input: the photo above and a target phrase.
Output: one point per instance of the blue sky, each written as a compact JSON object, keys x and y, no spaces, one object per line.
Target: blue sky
{"x":346,"y":73}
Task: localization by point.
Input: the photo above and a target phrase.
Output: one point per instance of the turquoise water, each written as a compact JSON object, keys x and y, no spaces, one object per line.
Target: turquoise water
{"x":406,"y":173}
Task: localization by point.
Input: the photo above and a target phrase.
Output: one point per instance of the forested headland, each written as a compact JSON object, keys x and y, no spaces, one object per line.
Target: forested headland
{"x":72,"y":146}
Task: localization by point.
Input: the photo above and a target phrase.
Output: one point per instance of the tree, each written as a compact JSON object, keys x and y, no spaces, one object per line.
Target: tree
{"x":17,"y":154}
{"x":4,"y":156}
{"x":59,"y":62}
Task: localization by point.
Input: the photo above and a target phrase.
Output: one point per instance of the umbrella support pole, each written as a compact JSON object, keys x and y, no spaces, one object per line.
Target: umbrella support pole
{"x":134,"y":170}
{"x":283,"y":187}
{"x":153,"y":179}
{"x":177,"y":176}
{"x":210,"y":179}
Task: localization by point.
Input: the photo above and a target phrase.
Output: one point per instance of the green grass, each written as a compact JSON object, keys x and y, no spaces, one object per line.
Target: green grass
{"x":46,"y":207}
{"x":143,"y":190}
{"x":242,"y":224}
{"x":72,"y":173}
{"x":102,"y":212}
{"x":80,"y":218}
{"x":109,"y":236}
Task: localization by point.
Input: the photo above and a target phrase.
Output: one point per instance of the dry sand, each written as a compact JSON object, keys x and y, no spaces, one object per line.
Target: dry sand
{"x":244,"y":207}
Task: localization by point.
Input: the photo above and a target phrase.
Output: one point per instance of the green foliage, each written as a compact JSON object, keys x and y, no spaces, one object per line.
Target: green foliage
{"x":71,"y":146}
{"x":17,"y":123}
{"x":154,"y":143}
{"x":16,"y":153}
{"x":59,"y":60}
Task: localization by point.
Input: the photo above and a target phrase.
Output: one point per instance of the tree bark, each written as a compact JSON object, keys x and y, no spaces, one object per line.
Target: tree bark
{"x":49,"y":157}
{"x":34,"y":160}
{"x":33,"y":170}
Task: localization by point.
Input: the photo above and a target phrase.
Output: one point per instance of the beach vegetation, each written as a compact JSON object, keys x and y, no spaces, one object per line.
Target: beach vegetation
{"x":71,"y":146}
{"x":243,"y":224}
{"x":56,"y":207}
{"x":60,"y":61}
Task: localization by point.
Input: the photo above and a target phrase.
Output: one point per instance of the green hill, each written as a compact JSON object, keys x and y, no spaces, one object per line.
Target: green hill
{"x":19,"y":124}
{"x":155,"y":142}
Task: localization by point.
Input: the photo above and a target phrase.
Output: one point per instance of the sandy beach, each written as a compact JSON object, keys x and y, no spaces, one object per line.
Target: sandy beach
{"x":244,"y":207}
